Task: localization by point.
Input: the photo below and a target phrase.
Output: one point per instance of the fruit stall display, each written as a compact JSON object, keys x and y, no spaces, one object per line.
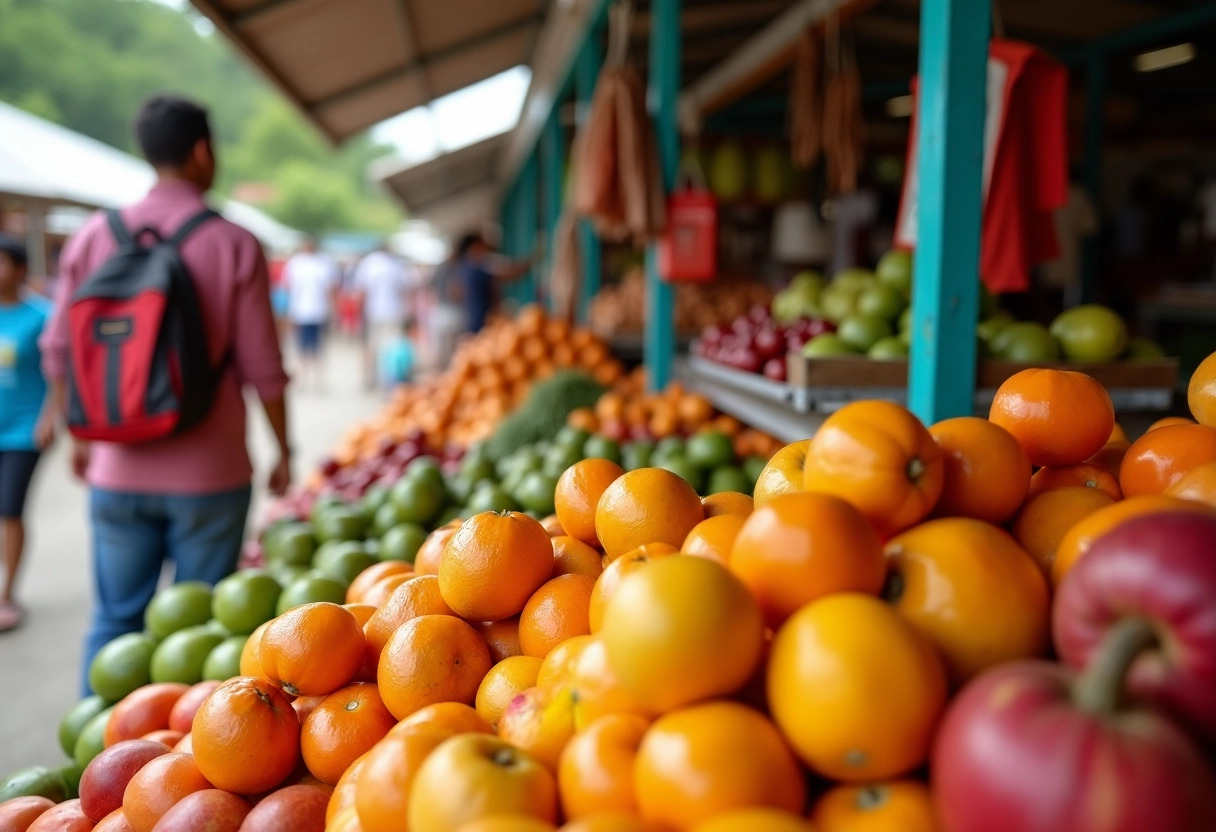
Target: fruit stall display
{"x":994,"y":624}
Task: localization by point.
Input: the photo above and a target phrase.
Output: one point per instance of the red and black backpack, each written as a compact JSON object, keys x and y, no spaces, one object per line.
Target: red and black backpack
{"x":139,"y":365}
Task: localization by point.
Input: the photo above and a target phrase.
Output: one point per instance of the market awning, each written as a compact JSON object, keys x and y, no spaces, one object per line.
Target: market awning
{"x":462,"y":179}
{"x":349,"y":64}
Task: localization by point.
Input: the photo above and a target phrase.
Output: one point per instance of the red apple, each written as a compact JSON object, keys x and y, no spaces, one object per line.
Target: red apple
{"x":298,"y":808}
{"x":712,"y":335}
{"x":768,"y":344}
{"x":748,"y":360}
{"x":66,"y":817}
{"x":212,"y":810}
{"x":106,"y":777}
{"x":759,"y":314}
{"x":775,"y":369}
{"x":181,"y":718}
{"x":1027,"y":747}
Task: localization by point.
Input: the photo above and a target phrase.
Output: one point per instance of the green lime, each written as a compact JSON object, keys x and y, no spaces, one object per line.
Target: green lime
{"x":245,"y":600}
{"x":344,"y":561}
{"x":388,"y":515}
{"x":373,"y":498}
{"x":402,"y":542}
{"x":339,"y":523}
{"x":488,"y":497}
{"x":422,"y":466}
{"x":34,"y":781}
{"x":92,"y":740}
{"x":326,"y":502}
{"x":448,"y":515}
{"x":286,"y":574}
{"x":459,"y":486}
{"x":682,"y":467}
{"x":535,"y":493}
{"x":728,"y":478}
{"x":559,"y":458}
{"x":292,"y":543}
{"x":180,"y":657}
{"x":309,"y":588}
{"x":475,"y":469}
{"x":667,"y":448}
{"x":418,"y":499}
{"x":752,"y":466}
{"x":76,"y":718}
{"x":528,"y":459}
{"x":637,"y":454}
{"x":710,"y":449}
{"x":601,"y":447}
{"x":224,"y":660}
{"x":372,"y":547}
{"x":571,"y":438}
{"x":176,"y":607}
{"x":216,"y":627}
{"x":71,"y":776}
{"x":121,"y":666}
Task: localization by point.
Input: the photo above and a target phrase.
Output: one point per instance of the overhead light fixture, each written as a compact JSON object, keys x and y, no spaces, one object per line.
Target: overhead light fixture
{"x":1165,"y":58}
{"x":901,"y":106}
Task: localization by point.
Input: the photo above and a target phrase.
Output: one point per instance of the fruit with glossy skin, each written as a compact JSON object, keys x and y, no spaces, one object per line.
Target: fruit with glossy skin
{"x":987,"y":474}
{"x":122,"y":665}
{"x":1201,"y":392}
{"x":251,"y":654}
{"x":1090,"y":332}
{"x":540,"y":721}
{"x":895,"y":806}
{"x":158,"y":786}
{"x":1084,"y":475}
{"x":1060,"y":417}
{"x":1026,"y":342}
{"x":572,"y":556}
{"x":755,"y":820}
{"x":501,"y":637}
{"x":555,"y":612}
{"x":595,"y":773}
{"x":703,"y":760}
{"x":342,"y":799}
{"x":372,"y":575}
{"x":416,"y":596}
{"x":1199,"y":485}
{"x":65,"y":817}
{"x":91,"y":741}
{"x":492,"y":565}
{"x":312,"y":650}
{"x":74,"y":721}
{"x":649,"y":505}
{"x":614,"y":822}
{"x":426,"y":562}
{"x":713,"y":538}
{"x":116,"y":821}
{"x":244,"y":600}
{"x":18,"y":813}
{"x":729,"y":502}
{"x":300,"y":808}
{"x":505,"y":680}
{"x":343,"y":728}
{"x":431,"y":659}
{"x":105,"y":779}
{"x":473,"y":776}
{"x":1047,"y":518}
{"x":246,"y":737}
{"x":596,"y":686}
{"x":381,"y":797}
{"x":143,"y":710}
{"x":214,"y":810}
{"x":555,"y":668}
{"x":783,"y":473}
{"x":832,"y":667}
{"x":1162,"y":457}
{"x":877,"y":456}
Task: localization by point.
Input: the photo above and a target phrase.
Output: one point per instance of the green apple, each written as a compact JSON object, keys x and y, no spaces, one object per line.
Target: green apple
{"x":881,"y":301}
{"x":1027,"y":342}
{"x":895,"y":270}
{"x":710,"y":449}
{"x":827,"y":345}
{"x":989,"y":328}
{"x":838,"y":301}
{"x":1142,"y":349}
{"x":601,"y":447}
{"x":1090,"y":333}
{"x":863,"y":331}
{"x":891,"y":348}
{"x":728,"y":478}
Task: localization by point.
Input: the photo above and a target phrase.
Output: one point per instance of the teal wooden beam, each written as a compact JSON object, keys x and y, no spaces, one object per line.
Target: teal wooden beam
{"x":1095,"y":112}
{"x":553,"y":164}
{"x":529,"y":224}
{"x":586,"y":73}
{"x":659,"y":344}
{"x":950,"y":118}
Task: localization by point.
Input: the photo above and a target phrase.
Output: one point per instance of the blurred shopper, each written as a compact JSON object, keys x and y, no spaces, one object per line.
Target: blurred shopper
{"x":396,"y":359}
{"x":312,"y":280}
{"x":183,"y":498}
{"x":446,"y":322}
{"x":278,"y":292}
{"x":481,"y":274}
{"x":27,"y":424}
{"x":385,"y":284}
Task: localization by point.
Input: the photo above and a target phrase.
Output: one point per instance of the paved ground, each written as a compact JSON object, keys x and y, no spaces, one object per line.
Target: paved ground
{"x":39,"y":662}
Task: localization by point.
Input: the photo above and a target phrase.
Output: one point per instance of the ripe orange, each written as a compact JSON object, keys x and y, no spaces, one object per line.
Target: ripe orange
{"x":364,"y":612}
{"x":504,"y":682}
{"x":553,"y":526}
{"x":246,"y":737}
{"x":342,"y":800}
{"x":783,"y":474}
{"x":681,"y":630}
{"x":1199,"y":484}
{"x":1161,"y":457}
{"x":798,"y":547}
{"x":305,"y":705}
{"x":1059,"y":416}
{"x":877,"y":456}
{"x":1046,"y":518}
{"x":456,"y":717}
{"x":508,"y":822}
{"x":502,"y":637}
{"x":426,"y":562}
{"x":1168,"y":422}
{"x":606,"y":584}
{"x":572,"y":556}
{"x":312,"y":650}
{"x":614,"y":822}
{"x":595,"y":773}
{"x":596,"y":687}
{"x":540,"y":721}
{"x":903,"y":805}
{"x":493,"y":564}
{"x":971,"y":590}
{"x":251,"y":653}
{"x":430,"y":659}
{"x":555,"y":667}
{"x":578,"y":492}
{"x":728,"y":502}
{"x":416,"y":596}
{"x":1201,"y":392}
{"x":343,"y":728}
{"x":1110,"y":458}
{"x":831,"y":671}
{"x":713,"y":537}
{"x":986,"y":470}
{"x":755,"y":820}
{"x":382,"y":793}
{"x":1084,"y":475}
{"x":649,"y":505}
{"x":555,"y":612}
{"x":372,"y":575}
{"x":700,"y":761}
{"x":158,"y":786}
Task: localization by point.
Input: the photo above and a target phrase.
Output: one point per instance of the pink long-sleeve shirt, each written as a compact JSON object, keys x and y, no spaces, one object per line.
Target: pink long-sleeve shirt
{"x":229,"y":273}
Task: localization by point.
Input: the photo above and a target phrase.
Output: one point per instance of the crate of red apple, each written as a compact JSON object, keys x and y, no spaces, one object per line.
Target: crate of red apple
{"x":758,"y":343}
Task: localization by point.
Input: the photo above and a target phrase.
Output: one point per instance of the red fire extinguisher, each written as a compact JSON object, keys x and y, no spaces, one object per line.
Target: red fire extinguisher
{"x":688,"y":248}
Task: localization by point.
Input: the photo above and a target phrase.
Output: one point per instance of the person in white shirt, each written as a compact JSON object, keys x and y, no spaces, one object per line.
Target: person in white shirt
{"x":385,"y":284}
{"x":311,"y":279}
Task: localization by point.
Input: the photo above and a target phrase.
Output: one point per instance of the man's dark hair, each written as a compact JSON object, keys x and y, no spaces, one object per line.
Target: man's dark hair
{"x":467,"y":242}
{"x":168,"y":128}
{"x":13,"y":248}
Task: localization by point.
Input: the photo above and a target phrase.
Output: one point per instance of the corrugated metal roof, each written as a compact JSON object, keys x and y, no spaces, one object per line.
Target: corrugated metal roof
{"x":452,"y":190}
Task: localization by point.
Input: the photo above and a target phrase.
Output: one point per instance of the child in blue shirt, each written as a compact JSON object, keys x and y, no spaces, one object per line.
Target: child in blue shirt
{"x":26,"y":426}
{"x":396,"y":361}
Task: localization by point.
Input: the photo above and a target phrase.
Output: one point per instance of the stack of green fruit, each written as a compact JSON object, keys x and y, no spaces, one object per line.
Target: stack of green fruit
{"x":869,"y":310}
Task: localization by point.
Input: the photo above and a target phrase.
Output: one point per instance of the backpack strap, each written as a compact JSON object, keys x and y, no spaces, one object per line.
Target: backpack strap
{"x":121,"y":235}
{"x":189,"y":226}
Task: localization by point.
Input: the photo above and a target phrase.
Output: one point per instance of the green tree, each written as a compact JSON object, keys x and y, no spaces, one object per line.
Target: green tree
{"x":313,"y":199}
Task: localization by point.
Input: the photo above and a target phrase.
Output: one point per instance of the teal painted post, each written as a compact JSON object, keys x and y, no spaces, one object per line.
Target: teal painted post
{"x":529,"y":219}
{"x":665,"y":46}
{"x":586,"y":73}
{"x":552,"y":158}
{"x":1095,"y":111}
{"x":945,"y":301}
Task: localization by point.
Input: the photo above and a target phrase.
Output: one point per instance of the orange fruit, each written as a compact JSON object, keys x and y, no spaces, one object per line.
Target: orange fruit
{"x":430,"y":659}
{"x":382,"y":793}
{"x":700,"y":761}
{"x":246,"y":737}
{"x":1161,"y":457}
{"x":971,"y":590}
{"x":728,"y":502}
{"x":783,"y":474}
{"x":1198,"y":484}
{"x":312,"y":650}
{"x":595,"y":773}
{"x":540,"y":721}
{"x":606,"y":584}
{"x":493,"y":564}
{"x":1046,"y":518}
{"x":713,"y":537}
{"x":879,"y":457}
{"x":346,"y":820}
{"x":473,"y":776}
{"x":555,"y":612}
{"x":64,"y":817}
{"x":305,"y":705}
{"x":831,"y":671}
{"x":555,"y":668}
{"x":597,"y":688}
{"x":158,"y":786}
{"x":372,"y":575}
{"x":681,"y":630}
{"x":1083,"y":475}
{"x":553,"y":526}
{"x":1059,"y":416}
{"x":1110,"y":458}
{"x":456,"y":717}
{"x":987,"y":472}
{"x":903,"y":805}
{"x":579,"y":489}
{"x":143,"y":710}
{"x":364,"y":612}
{"x":426,"y":562}
{"x":343,"y":728}
{"x":798,"y":547}
{"x":649,"y":505}
{"x":380,"y":591}
{"x":572,"y":556}
{"x":512,"y":822}
{"x":251,"y":653}
{"x":1081,"y":536}
{"x":1168,"y":422}
{"x":755,"y":820}
{"x":1117,"y":434}
{"x":416,"y":596}
{"x":614,"y":822}
{"x":502,"y":637}
{"x":504,"y":682}
{"x":342,"y":800}
{"x":1201,"y":392}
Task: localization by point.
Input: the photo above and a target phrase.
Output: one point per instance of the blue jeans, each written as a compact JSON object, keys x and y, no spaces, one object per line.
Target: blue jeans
{"x":133,"y":535}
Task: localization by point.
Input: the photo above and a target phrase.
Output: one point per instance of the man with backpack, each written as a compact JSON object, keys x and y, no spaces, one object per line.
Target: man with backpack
{"x":163,"y":316}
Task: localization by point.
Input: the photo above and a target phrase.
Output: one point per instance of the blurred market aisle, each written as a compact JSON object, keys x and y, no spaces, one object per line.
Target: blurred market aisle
{"x":38,"y":663}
